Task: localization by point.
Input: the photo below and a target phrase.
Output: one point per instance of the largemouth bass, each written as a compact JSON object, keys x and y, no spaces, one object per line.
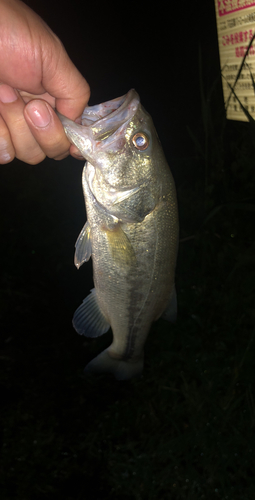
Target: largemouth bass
{"x":131,"y":231}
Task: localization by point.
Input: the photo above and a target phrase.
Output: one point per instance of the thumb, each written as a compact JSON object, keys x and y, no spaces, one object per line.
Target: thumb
{"x":62,"y":80}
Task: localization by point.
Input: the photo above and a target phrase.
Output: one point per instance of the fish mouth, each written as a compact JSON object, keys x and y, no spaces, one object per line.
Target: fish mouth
{"x":104,"y":119}
{"x":103,"y":126}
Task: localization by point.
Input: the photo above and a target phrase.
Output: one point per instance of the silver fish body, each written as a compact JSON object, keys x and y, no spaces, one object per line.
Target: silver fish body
{"x":131,"y":230}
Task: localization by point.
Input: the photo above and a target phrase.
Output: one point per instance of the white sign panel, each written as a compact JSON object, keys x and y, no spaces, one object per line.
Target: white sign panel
{"x":236,"y":27}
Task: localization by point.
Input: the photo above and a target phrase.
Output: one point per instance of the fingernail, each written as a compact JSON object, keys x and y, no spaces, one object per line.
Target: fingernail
{"x":38,"y":113}
{"x":7,"y":94}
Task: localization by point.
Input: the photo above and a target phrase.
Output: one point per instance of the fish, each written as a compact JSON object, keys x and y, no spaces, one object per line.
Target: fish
{"x":131,"y":232}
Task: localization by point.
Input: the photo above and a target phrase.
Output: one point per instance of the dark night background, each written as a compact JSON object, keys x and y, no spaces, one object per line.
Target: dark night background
{"x":184,"y":430}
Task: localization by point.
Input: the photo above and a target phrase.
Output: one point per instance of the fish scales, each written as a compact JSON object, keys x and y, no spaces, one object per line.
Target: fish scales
{"x":131,"y":230}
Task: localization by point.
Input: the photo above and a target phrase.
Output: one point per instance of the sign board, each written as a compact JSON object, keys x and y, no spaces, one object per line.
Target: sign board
{"x":236,"y":27}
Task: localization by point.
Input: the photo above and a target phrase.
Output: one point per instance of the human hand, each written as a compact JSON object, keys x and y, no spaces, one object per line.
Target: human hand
{"x":36,"y":75}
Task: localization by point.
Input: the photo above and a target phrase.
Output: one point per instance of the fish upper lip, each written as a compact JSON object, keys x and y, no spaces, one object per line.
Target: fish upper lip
{"x":104,"y":119}
{"x":103,"y":126}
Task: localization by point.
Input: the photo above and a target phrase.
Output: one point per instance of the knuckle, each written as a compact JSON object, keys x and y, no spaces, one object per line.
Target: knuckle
{"x":32,"y":159}
{"x":61,"y":156}
{"x":57,"y":149}
{"x":6,"y":157}
{"x":7,"y":153}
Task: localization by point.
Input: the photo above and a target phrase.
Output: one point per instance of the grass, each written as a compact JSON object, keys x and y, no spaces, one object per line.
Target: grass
{"x":185,"y":429}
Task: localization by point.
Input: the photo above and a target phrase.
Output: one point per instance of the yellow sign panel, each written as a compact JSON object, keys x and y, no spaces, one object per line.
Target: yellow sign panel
{"x":236,"y":27}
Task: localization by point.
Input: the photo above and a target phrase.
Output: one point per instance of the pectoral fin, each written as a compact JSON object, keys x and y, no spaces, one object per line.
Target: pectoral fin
{"x":83,"y":246}
{"x":119,"y":196}
{"x":120,"y":246}
{"x":142,"y":204}
{"x":88,"y":319}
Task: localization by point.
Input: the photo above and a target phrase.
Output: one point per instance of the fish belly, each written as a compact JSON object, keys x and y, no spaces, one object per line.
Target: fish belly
{"x":134,"y":292}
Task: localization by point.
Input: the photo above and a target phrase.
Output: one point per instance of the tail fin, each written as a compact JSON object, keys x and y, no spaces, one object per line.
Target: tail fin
{"x":122,"y":370}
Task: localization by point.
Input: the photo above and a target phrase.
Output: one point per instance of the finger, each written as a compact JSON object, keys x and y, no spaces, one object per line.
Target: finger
{"x":47,"y":129}
{"x":61,"y":79}
{"x":74,"y":105}
{"x":27,"y":96}
{"x":40,"y":60}
{"x":11,"y":108}
{"x":74,"y":151}
{"x":7,"y":152}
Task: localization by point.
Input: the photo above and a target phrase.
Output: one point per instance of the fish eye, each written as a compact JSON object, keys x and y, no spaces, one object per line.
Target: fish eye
{"x":140,"y":141}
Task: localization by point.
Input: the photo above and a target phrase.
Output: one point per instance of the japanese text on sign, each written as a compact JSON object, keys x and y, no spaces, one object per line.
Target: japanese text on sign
{"x":236,"y":27}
